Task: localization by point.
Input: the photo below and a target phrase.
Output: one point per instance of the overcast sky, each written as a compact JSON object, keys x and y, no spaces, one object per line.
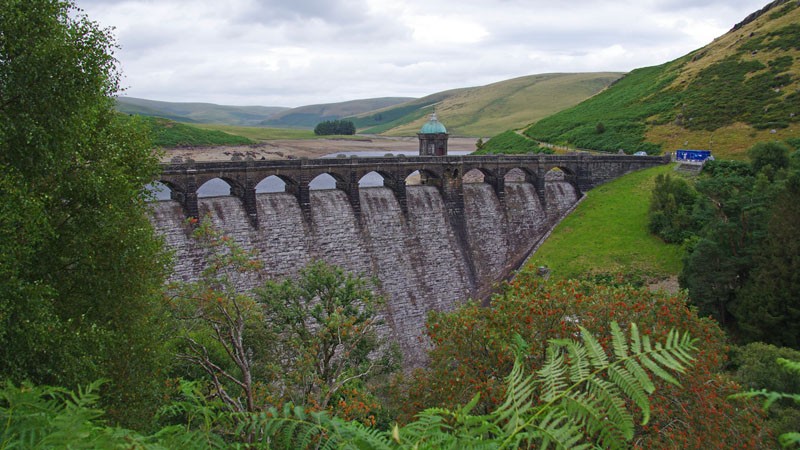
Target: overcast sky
{"x":301,"y":52}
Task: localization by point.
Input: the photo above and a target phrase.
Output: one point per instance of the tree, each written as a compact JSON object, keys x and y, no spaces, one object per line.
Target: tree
{"x":670,"y":214}
{"x":325,"y":327}
{"x":600,"y":128}
{"x":772,"y":156}
{"x":470,"y":354}
{"x":328,"y":127}
{"x":732,"y":212}
{"x":222,"y":326}
{"x":83,"y":300}
{"x":767,"y":308}
{"x":311,"y":340}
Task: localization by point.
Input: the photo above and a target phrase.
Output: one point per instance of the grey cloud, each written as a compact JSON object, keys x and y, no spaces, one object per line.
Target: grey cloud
{"x":683,"y":5}
{"x":290,"y":53}
{"x":273,"y":12}
{"x":566,"y":39}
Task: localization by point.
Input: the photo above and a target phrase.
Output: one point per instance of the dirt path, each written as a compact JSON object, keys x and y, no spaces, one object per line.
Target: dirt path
{"x":308,"y":148}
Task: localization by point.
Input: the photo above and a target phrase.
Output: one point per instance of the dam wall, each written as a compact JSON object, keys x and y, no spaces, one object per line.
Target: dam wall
{"x":470,"y":222}
{"x":420,"y":258}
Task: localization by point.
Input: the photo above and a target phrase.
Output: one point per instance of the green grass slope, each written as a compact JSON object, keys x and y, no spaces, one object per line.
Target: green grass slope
{"x":309,"y":116}
{"x":198,"y":112}
{"x":742,"y":88}
{"x":491,"y":109}
{"x":167,"y":133}
{"x":607,"y":232}
{"x":510,"y":143}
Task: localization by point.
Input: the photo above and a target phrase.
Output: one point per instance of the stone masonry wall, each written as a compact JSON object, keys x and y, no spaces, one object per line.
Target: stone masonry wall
{"x":416,"y":256}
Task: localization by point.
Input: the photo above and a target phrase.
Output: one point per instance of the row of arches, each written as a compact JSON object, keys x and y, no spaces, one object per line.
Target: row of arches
{"x":217,"y":187}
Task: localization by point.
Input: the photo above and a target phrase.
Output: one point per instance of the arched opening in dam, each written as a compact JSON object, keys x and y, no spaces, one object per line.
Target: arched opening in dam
{"x":270,"y":185}
{"x":515,"y":175}
{"x":158,"y":191}
{"x":560,"y":192}
{"x":215,"y":187}
{"x":322,"y":182}
{"x":420,"y":177}
{"x":473,"y":176}
{"x":414,"y":178}
{"x":372,"y":179}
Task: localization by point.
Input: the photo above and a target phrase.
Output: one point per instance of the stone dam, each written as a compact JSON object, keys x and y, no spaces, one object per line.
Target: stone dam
{"x":468,"y":224}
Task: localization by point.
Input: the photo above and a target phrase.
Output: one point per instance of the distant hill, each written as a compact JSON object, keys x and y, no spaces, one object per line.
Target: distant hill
{"x":169,"y":134}
{"x":488,"y":110}
{"x":198,"y":112}
{"x":742,"y":88}
{"x":309,"y":116}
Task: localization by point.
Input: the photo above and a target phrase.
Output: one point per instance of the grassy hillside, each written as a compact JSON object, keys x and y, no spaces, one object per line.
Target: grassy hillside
{"x":309,"y":116}
{"x":510,"y":143}
{"x":607,"y":232}
{"x":385,"y":119}
{"x":168,"y":133}
{"x":488,"y":110}
{"x":742,"y":88}
{"x":197,"y":112}
{"x":253,"y":116}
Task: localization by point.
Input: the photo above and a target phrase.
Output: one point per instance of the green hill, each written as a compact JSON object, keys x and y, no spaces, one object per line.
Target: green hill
{"x":488,"y":110}
{"x":198,"y":112}
{"x":252,"y":116}
{"x":742,"y":88}
{"x":168,"y":133}
{"x":610,"y":229}
{"x":510,"y":143}
{"x":309,"y":116}
{"x":385,"y":119}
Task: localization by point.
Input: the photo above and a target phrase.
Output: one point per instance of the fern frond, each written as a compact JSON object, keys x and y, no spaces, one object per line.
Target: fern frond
{"x":521,"y":389}
{"x":674,"y":356}
{"x":556,"y":430}
{"x":552,"y":377}
{"x":787,"y":440}
{"x":619,"y":425}
{"x":636,"y":342}
{"x":597,"y":354}
{"x":429,"y":427}
{"x":593,"y":406}
{"x":770,"y":397}
{"x":657,"y":370}
{"x":640,"y":374}
{"x":579,"y":362}
{"x":632,"y":388}
{"x":356,"y":435}
{"x":618,"y":341}
{"x":788,"y":364}
{"x":584,"y":409}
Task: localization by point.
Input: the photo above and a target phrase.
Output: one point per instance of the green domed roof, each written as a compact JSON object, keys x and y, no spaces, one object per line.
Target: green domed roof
{"x":433,"y":126}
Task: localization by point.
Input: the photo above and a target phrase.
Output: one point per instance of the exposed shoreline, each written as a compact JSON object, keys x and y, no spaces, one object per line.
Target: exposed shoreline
{"x":307,"y":148}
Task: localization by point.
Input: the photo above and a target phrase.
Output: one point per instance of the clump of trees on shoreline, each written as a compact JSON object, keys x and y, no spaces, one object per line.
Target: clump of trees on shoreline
{"x":332,"y":127}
